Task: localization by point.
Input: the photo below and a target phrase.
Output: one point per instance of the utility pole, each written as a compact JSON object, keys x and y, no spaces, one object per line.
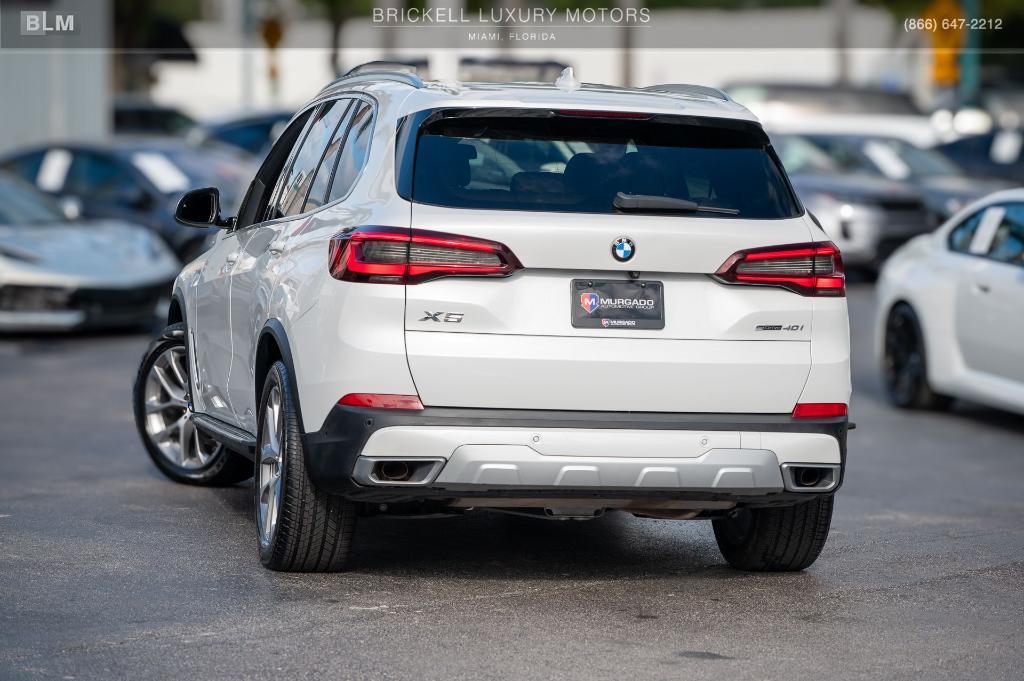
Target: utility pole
{"x":248,"y":22}
{"x":389,"y":34}
{"x":626,"y":46}
{"x":970,"y":58}
{"x":444,"y":61}
{"x":841,"y":10}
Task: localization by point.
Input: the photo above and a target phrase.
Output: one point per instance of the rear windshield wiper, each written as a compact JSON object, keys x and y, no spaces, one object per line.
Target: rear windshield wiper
{"x":664,"y":204}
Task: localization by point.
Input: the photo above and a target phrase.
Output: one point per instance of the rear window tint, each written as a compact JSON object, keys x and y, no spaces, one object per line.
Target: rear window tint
{"x":579,"y":164}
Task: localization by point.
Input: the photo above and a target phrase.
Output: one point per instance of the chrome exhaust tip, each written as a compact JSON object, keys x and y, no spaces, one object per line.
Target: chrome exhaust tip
{"x":810,"y":477}
{"x":395,"y":471}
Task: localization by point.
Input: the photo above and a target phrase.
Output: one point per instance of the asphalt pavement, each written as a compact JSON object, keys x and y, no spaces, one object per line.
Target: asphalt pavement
{"x":109,"y":571}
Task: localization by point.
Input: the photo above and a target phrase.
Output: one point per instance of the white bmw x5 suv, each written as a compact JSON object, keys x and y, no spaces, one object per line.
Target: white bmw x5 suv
{"x":558,"y":299}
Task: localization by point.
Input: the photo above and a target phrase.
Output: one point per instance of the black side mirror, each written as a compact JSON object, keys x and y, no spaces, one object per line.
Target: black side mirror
{"x":200,"y":208}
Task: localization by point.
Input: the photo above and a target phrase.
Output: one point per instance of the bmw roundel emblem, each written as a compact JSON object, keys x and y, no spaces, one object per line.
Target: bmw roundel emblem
{"x":623,"y":249}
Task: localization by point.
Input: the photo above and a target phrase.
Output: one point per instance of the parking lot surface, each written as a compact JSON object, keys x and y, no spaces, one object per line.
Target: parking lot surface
{"x":107,"y":570}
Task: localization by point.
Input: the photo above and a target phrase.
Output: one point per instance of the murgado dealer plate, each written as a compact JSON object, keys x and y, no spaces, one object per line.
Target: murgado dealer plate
{"x":617,"y":304}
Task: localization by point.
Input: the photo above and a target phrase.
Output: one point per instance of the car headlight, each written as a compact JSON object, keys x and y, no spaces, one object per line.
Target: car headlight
{"x":20,"y":254}
{"x":154,"y":247}
{"x":832,"y":204}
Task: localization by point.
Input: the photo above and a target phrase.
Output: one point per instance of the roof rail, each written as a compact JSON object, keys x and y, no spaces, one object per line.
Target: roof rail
{"x":413,"y":66}
{"x":376,"y":76}
{"x":685,"y":89}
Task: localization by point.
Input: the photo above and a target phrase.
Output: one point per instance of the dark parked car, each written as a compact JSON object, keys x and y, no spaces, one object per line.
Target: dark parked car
{"x":995,"y":155}
{"x":136,"y":180}
{"x":141,"y":116}
{"x":252,"y":133}
{"x":944,"y":185}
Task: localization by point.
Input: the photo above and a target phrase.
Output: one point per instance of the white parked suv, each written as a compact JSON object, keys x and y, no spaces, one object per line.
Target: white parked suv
{"x":555,"y":299}
{"x":950,"y":311}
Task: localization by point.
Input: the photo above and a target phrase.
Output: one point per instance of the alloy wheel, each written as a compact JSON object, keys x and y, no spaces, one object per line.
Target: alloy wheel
{"x":268,"y":478}
{"x":904,"y":359}
{"x":168,"y":419}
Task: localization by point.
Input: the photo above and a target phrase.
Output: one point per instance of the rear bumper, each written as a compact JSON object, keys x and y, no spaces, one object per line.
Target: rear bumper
{"x":743,"y":458}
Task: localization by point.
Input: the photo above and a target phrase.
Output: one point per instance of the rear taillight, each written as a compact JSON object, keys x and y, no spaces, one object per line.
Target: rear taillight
{"x":814,"y":269}
{"x":392,"y":255}
{"x":381,"y":401}
{"x":819,"y":410}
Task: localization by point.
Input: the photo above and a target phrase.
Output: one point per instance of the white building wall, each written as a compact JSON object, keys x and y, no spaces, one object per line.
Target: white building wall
{"x":218,"y":84}
{"x":53,"y":94}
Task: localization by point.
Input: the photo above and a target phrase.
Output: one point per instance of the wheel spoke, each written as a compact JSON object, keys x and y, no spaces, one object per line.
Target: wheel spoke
{"x":185,"y":439}
{"x":271,"y":496}
{"x":167,"y":418}
{"x":171,"y":427}
{"x":174,"y":391}
{"x":153,"y":407}
{"x":201,"y":454}
{"x":270,"y":428}
{"x":175,"y":360}
{"x":265,"y":434}
{"x":277,"y":415}
{"x":274,"y":494}
{"x":914,"y":367}
{"x":262,"y":511}
{"x":272,"y":440}
{"x":270,"y":465}
{"x":268,"y":456}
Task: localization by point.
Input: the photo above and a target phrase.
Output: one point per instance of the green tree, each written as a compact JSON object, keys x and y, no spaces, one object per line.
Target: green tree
{"x":337,"y":12}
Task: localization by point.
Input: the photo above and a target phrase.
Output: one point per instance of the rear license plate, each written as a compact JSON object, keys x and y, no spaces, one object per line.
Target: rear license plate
{"x":617,"y":304}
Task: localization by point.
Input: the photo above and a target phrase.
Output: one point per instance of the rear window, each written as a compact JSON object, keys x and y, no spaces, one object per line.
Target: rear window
{"x":541,"y":161}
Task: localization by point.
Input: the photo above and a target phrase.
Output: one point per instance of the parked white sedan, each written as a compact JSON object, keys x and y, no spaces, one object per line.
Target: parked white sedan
{"x":951,"y":310}
{"x":60,"y":275}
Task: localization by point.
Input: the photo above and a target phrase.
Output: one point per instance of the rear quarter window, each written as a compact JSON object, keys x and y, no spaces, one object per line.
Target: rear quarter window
{"x":961,"y":236}
{"x":1008,"y":242}
{"x":542,"y":161}
{"x":26,"y":166}
{"x":354,"y":153}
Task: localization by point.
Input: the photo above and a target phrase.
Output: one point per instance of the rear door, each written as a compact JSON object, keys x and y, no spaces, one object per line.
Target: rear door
{"x":612,"y":309}
{"x":989,"y":324}
{"x":210,"y":331}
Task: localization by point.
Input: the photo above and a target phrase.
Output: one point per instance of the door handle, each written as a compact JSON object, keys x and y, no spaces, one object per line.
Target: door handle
{"x":276,"y":247}
{"x":982,"y":288}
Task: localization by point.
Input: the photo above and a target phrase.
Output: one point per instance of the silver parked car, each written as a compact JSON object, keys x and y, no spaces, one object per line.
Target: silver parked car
{"x":867,"y":217}
{"x":56,"y":274}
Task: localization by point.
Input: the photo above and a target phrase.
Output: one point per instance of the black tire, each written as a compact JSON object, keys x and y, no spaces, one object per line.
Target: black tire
{"x":224,"y":467}
{"x":313,"y":530}
{"x":782,"y":539}
{"x":905,"y":363}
